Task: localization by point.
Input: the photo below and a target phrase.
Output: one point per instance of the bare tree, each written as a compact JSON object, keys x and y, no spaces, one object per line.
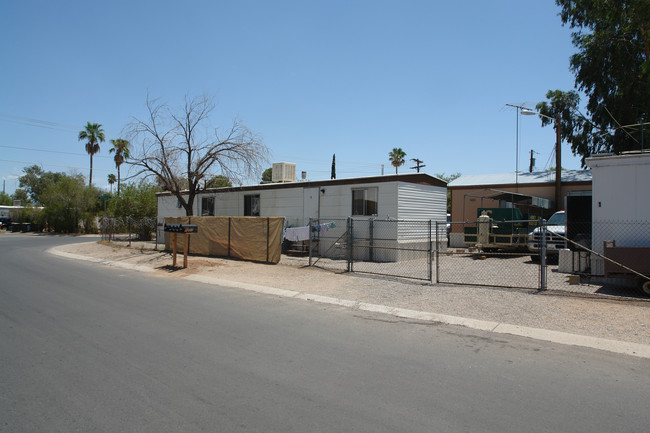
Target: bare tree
{"x":178,"y":149}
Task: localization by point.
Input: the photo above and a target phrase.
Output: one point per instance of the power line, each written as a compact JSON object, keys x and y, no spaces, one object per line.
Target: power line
{"x":39,"y":123}
{"x":53,"y":151}
{"x":35,"y":122}
{"x":53,"y":165}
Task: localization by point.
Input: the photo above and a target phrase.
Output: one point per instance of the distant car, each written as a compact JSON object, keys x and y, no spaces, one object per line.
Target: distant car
{"x":556,"y":224}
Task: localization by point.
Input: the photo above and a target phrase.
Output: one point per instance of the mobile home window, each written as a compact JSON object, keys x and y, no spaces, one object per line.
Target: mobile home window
{"x":252,"y":205}
{"x":207,"y":206}
{"x":364,"y":201}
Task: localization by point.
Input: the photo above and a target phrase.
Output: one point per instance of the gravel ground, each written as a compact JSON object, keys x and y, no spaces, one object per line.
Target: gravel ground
{"x":610,"y":317}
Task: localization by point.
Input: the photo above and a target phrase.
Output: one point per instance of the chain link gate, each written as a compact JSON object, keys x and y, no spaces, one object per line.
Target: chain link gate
{"x":497,"y":256}
{"x":398,"y":248}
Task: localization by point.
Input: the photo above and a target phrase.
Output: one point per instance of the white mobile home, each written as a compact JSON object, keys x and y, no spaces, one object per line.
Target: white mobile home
{"x":412,"y":196}
{"x":404,"y":196}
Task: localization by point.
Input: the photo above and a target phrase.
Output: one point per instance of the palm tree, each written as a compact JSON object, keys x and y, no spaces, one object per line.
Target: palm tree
{"x":111,"y":180}
{"x":94,"y":133}
{"x":396,"y":157}
{"x":122,"y":152}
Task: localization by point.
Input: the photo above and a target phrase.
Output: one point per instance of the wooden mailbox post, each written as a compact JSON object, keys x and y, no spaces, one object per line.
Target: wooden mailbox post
{"x":181,"y":228}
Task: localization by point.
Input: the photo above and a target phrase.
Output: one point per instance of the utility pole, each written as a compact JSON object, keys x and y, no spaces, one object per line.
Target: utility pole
{"x":558,"y":163}
{"x":418,"y":164}
{"x":532,"y":161}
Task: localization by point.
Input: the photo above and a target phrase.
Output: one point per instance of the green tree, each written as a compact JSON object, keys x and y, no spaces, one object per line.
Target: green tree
{"x":122,"y":149}
{"x":219,"y":181}
{"x":396,"y":157}
{"x":612,"y":68}
{"x":333,"y":175}
{"x":21,"y":196}
{"x":93,"y":134}
{"x":111,"y":181}
{"x":5,"y":199}
{"x":70,"y":206}
{"x":138,"y":200}
{"x":35,"y":180}
{"x":28,"y":214}
{"x":267,"y":176}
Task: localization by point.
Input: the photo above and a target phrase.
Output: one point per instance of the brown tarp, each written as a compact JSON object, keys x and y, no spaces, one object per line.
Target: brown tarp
{"x":248,"y":238}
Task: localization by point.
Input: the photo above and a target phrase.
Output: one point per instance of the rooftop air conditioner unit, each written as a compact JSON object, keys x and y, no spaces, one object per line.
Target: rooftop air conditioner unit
{"x":283,"y":172}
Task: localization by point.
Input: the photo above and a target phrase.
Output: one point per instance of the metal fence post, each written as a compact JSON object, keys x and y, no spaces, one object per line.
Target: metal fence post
{"x":542,"y":258}
{"x":371,"y":250}
{"x":350,"y":245}
{"x":310,"y":235}
{"x":437,"y":252}
{"x":431,"y":249}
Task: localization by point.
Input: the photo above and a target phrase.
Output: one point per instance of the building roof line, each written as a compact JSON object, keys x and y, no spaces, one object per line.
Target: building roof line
{"x":417,"y":178}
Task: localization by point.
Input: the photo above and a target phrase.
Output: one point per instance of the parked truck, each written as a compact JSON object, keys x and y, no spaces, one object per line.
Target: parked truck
{"x":555,"y":237}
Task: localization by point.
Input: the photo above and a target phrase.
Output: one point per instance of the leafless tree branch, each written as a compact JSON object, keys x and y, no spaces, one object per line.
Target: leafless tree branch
{"x":177,"y":148}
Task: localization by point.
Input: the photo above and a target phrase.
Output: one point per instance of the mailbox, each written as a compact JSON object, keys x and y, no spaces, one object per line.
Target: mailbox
{"x":173,"y":228}
{"x":181,"y":228}
{"x":190,"y":228}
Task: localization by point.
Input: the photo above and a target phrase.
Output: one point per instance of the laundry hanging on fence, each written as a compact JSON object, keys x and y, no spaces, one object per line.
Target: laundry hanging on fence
{"x":323,"y":228}
{"x":297,"y":234}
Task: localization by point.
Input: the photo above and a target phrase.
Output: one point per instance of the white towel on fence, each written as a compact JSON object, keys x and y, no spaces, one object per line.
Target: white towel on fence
{"x":296,"y":234}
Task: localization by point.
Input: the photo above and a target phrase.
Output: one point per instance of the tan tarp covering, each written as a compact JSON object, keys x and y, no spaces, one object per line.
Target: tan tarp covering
{"x":248,"y":238}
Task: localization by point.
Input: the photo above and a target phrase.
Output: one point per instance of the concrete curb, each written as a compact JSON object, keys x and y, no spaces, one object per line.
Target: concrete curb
{"x":622,"y":347}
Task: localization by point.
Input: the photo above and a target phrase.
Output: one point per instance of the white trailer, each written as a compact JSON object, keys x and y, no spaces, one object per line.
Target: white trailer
{"x":621,"y":202}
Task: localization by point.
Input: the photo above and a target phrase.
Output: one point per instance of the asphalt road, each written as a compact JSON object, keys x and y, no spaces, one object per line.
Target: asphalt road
{"x":87,"y":348}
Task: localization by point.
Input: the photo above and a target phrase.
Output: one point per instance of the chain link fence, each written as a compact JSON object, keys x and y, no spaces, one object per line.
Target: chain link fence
{"x":520,"y":254}
{"x":618,"y":251}
{"x":392,"y":247}
{"x":529,"y":254}
{"x":329,"y":246}
{"x":129,"y":229}
{"x":490,"y":254}
{"x":375,"y":246}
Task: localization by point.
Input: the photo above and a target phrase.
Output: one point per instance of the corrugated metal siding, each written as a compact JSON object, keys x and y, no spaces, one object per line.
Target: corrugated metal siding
{"x":420,"y":202}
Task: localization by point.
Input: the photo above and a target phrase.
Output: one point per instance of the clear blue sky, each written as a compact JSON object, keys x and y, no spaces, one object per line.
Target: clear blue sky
{"x":312,"y":78}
